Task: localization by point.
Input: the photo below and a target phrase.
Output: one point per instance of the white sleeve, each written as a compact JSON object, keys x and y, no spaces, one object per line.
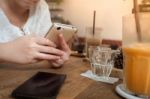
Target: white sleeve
{"x":45,"y":21}
{"x":40,"y":19}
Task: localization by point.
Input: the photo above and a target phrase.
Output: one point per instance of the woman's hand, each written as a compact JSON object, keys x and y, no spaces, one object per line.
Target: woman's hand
{"x":29,"y":49}
{"x":62,"y":45}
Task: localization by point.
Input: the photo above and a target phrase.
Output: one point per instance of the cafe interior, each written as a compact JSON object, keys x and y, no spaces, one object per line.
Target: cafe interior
{"x":109,"y":58}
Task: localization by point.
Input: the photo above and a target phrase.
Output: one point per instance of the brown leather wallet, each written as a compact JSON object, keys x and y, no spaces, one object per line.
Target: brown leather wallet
{"x":42,"y":85}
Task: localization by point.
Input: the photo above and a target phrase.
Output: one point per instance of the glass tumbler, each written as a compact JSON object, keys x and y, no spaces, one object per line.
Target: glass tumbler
{"x":102,"y":62}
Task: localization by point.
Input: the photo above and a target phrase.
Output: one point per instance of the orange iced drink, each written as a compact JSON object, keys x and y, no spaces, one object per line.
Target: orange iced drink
{"x":137,"y":68}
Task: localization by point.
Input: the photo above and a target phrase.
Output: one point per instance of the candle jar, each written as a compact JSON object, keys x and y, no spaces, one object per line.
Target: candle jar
{"x":136,"y":56}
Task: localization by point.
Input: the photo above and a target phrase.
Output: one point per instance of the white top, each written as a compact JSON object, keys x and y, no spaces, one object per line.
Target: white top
{"x":38,"y":23}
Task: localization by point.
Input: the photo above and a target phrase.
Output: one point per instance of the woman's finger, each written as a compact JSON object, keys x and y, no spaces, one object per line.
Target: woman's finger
{"x":63,"y":43}
{"x":44,"y":56}
{"x":57,"y":63}
{"x":44,"y":41}
{"x":50,"y":50}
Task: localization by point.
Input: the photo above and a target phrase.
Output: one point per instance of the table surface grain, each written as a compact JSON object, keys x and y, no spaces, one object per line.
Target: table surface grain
{"x":74,"y":87}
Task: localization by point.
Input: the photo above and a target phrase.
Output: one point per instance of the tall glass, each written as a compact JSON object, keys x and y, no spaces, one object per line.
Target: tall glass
{"x":92,"y":39}
{"x":136,"y":56}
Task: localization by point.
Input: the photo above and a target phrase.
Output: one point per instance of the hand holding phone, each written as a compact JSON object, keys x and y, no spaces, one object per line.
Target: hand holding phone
{"x":68,"y":32}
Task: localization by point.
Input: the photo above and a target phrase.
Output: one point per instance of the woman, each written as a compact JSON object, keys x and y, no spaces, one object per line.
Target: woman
{"x":23,"y":24}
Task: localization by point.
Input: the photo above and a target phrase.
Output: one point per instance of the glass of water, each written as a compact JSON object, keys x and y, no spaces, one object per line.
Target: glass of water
{"x":102,"y":62}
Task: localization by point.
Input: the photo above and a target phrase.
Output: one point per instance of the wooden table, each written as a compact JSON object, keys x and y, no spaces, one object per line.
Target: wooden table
{"x":75,"y":86}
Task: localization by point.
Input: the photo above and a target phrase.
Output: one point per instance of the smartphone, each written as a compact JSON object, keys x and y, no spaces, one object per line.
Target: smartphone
{"x":68,"y":32}
{"x":42,"y":85}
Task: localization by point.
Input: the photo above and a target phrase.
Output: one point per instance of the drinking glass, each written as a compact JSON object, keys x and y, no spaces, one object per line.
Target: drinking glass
{"x":101,"y":62}
{"x":136,"y":56}
{"x":92,"y":39}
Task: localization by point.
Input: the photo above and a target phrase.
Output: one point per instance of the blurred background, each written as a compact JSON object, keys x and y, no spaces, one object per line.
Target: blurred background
{"x":113,"y":18}
{"x":108,"y":15}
